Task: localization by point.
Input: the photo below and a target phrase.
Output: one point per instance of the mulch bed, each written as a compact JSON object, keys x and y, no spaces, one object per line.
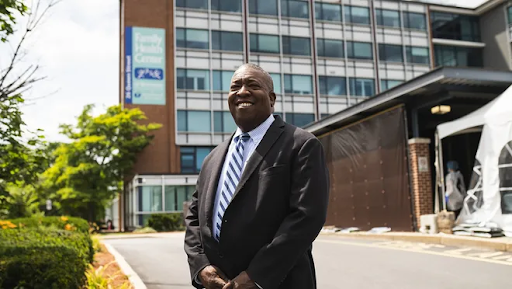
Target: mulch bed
{"x":102,"y":259}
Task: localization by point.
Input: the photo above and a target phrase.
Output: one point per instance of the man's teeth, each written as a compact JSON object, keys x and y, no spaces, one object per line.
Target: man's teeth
{"x":244,"y":104}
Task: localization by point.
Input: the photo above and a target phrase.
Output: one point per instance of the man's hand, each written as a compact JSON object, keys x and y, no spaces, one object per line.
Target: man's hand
{"x":241,"y":281}
{"x":212,"y":278}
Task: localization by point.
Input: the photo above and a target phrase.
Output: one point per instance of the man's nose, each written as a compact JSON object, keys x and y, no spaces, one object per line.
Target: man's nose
{"x":244,"y":91}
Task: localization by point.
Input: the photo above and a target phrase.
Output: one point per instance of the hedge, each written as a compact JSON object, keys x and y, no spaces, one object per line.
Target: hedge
{"x":166,"y":222}
{"x":44,"y":257}
{"x":64,"y":223}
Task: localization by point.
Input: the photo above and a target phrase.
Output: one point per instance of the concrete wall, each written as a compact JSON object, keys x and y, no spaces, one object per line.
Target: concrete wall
{"x":162,"y":155}
{"x":494,"y":29}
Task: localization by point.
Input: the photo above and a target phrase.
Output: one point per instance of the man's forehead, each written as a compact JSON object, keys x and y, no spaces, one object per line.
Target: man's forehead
{"x":249,"y":72}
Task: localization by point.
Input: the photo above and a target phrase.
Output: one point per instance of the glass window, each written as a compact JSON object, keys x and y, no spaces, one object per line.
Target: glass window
{"x":332,"y":85}
{"x":300,"y":119}
{"x":192,"y":158}
{"x":192,"y":38}
{"x":390,"y":52}
{"x":223,"y":122}
{"x":175,"y":196}
{"x":458,"y":56}
{"x":222,"y":80}
{"x":362,"y":86}
{"x":293,"y":8}
{"x":192,"y":79}
{"x":358,"y":15}
{"x":196,"y":4}
{"x":415,"y":21}
{"x":359,"y":50}
{"x":455,"y":26}
{"x":509,"y":9}
{"x":263,"y":7}
{"x":150,"y":199}
{"x":328,"y":12}
{"x":224,"y":40}
{"x":170,"y":199}
{"x":264,"y":43}
{"x":227,"y":5}
{"x":297,"y":84}
{"x":276,"y":79}
{"x":296,"y":45}
{"x":386,"y":84}
{"x":389,"y":18}
{"x":329,"y":47}
{"x":194,"y":121}
{"x":417,"y":55}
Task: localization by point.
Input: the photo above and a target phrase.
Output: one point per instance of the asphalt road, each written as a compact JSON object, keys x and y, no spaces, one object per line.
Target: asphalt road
{"x":341,"y":263}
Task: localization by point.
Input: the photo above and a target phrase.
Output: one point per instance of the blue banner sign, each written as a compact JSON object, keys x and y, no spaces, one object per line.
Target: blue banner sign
{"x":144,"y":66}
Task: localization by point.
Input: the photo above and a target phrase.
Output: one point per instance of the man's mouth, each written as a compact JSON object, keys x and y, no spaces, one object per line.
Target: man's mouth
{"x":244,"y":104}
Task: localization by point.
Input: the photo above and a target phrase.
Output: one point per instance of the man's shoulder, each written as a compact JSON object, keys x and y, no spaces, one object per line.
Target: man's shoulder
{"x":298,"y":134}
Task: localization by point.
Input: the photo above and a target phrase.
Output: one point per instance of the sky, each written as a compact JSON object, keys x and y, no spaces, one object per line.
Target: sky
{"x":77,"y":49}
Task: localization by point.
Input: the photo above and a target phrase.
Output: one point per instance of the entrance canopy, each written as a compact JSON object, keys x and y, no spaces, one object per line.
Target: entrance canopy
{"x":497,"y":111}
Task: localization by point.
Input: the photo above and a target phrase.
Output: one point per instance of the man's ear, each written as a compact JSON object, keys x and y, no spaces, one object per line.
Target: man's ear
{"x":272,"y":97}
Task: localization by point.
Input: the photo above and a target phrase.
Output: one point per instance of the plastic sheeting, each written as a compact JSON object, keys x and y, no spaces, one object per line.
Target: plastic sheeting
{"x":489,"y":198}
{"x":369,"y":174}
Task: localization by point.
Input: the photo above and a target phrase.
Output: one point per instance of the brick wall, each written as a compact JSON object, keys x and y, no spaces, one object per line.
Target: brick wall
{"x":421,"y":180}
{"x":162,"y":155}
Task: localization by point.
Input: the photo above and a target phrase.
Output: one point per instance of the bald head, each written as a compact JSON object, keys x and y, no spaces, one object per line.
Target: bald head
{"x":269,"y":83}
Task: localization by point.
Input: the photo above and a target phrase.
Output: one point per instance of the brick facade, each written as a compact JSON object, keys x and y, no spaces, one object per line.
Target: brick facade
{"x":162,"y":155}
{"x":421,"y":181}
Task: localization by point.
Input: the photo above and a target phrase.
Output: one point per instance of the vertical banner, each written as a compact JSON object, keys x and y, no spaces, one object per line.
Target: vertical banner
{"x":144,"y":66}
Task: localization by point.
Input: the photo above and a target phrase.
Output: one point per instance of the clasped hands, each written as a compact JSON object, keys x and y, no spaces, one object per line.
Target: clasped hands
{"x":212,"y":278}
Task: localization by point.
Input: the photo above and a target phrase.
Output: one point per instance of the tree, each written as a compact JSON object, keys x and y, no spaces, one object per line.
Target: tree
{"x":89,"y":171}
{"x":7,"y":17}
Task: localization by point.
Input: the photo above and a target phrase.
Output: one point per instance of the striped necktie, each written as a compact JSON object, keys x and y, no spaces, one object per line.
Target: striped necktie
{"x":231,"y":179}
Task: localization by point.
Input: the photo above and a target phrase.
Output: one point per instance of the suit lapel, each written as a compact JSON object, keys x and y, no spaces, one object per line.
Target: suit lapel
{"x":273,"y":133}
{"x":217,"y":162}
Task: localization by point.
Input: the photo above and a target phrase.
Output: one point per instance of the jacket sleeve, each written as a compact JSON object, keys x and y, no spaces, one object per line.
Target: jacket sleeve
{"x":197,"y":259}
{"x":308,"y":210}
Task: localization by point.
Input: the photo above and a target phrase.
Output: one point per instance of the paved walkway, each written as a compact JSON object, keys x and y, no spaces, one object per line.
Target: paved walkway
{"x":342,"y":263}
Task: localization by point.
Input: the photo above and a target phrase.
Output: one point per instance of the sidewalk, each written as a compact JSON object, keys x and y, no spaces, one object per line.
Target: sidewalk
{"x":498,"y":244}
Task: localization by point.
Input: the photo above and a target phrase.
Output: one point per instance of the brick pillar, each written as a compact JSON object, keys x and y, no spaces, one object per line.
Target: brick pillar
{"x":421,"y":177}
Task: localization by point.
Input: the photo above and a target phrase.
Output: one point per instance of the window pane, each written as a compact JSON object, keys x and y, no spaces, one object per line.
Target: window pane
{"x":180,"y":37}
{"x":170,"y":198}
{"x":264,"y":43}
{"x":296,"y":45}
{"x":291,"y":8}
{"x":509,"y":9}
{"x":198,"y":121}
{"x":181,"y":196}
{"x":415,"y":20}
{"x":389,"y":52}
{"x":227,"y":5}
{"x":418,"y":55}
{"x":362,"y":86}
{"x":276,"y":79}
{"x":330,"y":85}
{"x":152,"y":198}
{"x":223,"y":40}
{"x":300,"y":119}
{"x":192,"y":79}
{"x":359,"y":50}
{"x":455,"y":26}
{"x":329,"y":12}
{"x":217,"y":121}
{"x":388,"y":84}
{"x":196,"y":4}
{"x":264,"y":7}
{"x":388,"y":18}
{"x":359,"y":15}
{"x":182,"y":120}
{"x":330,"y":48}
{"x":200,"y":155}
{"x":222,"y":80}
{"x":298,"y":84}
{"x":229,"y":123}
{"x":196,"y":38}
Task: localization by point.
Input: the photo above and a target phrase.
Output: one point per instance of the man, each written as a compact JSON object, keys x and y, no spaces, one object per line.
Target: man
{"x":261,"y":198}
{"x":455,"y":188}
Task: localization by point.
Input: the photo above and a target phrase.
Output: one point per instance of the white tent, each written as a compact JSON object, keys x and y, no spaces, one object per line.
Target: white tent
{"x":490,"y":199}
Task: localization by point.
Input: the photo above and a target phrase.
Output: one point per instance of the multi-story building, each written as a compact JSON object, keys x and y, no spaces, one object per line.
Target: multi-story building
{"x":177,"y":59}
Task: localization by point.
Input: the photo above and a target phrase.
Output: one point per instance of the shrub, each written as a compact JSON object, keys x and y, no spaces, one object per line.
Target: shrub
{"x":145,"y":230}
{"x":64,"y":223}
{"x":166,"y":222}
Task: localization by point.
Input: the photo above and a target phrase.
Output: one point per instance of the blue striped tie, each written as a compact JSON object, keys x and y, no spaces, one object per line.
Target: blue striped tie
{"x":231,"y":179}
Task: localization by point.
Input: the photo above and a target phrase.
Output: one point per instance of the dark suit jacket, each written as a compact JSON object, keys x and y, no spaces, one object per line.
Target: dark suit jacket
{"x":277,"y":211}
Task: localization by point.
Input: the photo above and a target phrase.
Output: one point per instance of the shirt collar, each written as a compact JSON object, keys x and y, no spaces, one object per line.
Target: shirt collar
{"x":259,"y":132}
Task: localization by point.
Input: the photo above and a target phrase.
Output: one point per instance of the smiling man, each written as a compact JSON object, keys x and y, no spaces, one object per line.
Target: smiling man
{"x":261,"y":198}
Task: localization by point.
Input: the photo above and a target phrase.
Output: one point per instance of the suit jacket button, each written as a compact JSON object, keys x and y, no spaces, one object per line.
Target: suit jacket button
{"x":225,"y":221}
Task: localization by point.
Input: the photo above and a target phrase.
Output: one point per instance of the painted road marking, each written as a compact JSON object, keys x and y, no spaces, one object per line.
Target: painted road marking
{"x":494,"y":257}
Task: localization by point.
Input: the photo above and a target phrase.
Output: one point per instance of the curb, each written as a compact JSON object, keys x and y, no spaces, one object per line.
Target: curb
{"x":498,"y":244}
{"x":126,"y":268}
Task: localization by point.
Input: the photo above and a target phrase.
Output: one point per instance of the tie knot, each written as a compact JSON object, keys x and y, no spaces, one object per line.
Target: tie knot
{"x":245,"y":137}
